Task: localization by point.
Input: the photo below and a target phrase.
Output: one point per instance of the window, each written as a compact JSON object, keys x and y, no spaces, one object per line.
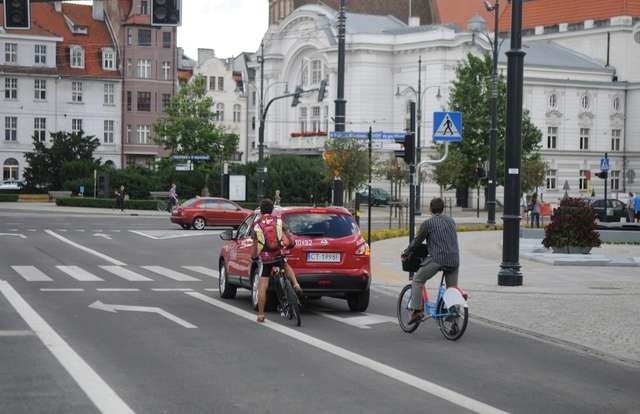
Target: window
{"x":76,"y":126}
{"x":304,"y":78}
{"x":585,"y":102}
{"x":615,"y":104}
{"x":40,"y":54}
{"x":220,"y":83}
{"x":40,"y":129}
{"x":236,"y":113}
{"x":10,"y":88}
{"x":144,"y":7}
{"x":551,"y":179}
{"x":144,"y":37}
{"x":129,"y":99}
{"x":220,"y":112}
{"x":129,"y":37}
{"x":615,"y":139}
{"x":108,"y":131}
{"x":166,"y":40}
{"x":212,"y":83}
{"x":552,"y":102}
{"x":10,"y":128}
{"x":144,"y":101}
{"x":253,"y":98}
{"x":302,"y":119}
{"x":166,"y":100}
{"x":129,"y":67}
{"x":144,"y":68}
{"x":10,"y":53}
{"x":76,"y":91}
{"x":315,"y":118}
{"x":143,"y":134}
{"x":325,"y":120}
{"x":128,"y":138}
{"x":10,"y":170}
{"x":552,"y":137}
{"x":316,"y":72}
{"x":253,"y":123}
{"x":108,"y":59}
{"x":77,"y":57}
{"x":109,"y":93}
{"x":166,"y":70}
{"x":614,"y":180}
{"x":583,"y":181}
{"x":40,"y":89}
{"x":584,"y":138}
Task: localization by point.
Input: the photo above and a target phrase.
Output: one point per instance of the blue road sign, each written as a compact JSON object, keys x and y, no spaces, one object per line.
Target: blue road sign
{"x":380,"y":135}
{"x":447,"y":126}
{"x":604,"y":164}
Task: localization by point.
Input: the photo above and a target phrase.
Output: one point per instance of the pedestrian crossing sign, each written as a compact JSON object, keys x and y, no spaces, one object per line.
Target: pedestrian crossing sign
{"x":447,"y":126}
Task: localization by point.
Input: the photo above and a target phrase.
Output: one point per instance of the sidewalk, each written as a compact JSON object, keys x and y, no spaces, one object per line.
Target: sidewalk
{"x":594,"y":309}
{"x":53,"y":208}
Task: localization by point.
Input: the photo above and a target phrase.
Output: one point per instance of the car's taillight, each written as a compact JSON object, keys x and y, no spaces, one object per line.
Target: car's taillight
{"x":363,"y":250}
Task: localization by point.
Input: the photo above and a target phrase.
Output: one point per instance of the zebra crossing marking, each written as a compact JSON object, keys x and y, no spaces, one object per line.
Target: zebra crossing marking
{"x":61,"y":290}
{"x":203,"y":270}
{"x":31,"y":274}
{"x":125,"y":273}
{"x":80,"y":274}
{"x":171,"y":274}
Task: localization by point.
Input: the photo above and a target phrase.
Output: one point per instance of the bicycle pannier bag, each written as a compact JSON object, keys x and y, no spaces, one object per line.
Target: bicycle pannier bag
{"x":411,"y":263}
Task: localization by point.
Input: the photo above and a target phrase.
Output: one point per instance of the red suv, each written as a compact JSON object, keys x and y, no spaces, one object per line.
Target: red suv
{"x":208,"y":211}
{"x":330,"y":257}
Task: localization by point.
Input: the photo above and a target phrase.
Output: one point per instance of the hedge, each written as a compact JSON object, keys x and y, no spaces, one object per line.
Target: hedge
{"x":106,"y":203}
{"x":377,"y":235}
{"x":8,"y":197}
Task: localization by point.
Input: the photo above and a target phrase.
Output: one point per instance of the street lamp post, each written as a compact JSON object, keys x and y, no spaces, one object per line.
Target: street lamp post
{"x":491,"y":202}
{"x":261,"y":173}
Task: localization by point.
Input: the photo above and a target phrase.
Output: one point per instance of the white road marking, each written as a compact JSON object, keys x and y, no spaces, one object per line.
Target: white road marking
{"x":126,"y":274}
{"x":151,"y":309}
{"x":143,"y":234}
{"x":13,"y":229}
{"x":102,"y":396}
{"x":32,"y":230}
{"x":115,"y":231}
{"x":62,"y":230}
{"x":104,"y":236}
{"x":22,"y":236}
{"x":80,"y":274}
{"x":173,"y":234}
{"x":203,"y":270}
{"x":361,"y":322}
{"x":212,"y":290}
{"x":17,"y":333}
{"x":172,"y":290}
{"x":86,"y":249}
{"x":31,"y":274}
{"x":393,"y":373}
{"x":118,"y":290}
{"x":61,"y":290}
{"x":80,"y":230}
{"x":171,"y":274}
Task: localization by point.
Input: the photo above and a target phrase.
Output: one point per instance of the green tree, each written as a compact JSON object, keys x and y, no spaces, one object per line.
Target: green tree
{"x":349,"y":160}
{"x":471,"y":95}
{"x":70,"y":156}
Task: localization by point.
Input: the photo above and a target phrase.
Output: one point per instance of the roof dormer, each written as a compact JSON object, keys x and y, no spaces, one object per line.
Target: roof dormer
{"x":108,"y":58}
{"x":77,"y":29}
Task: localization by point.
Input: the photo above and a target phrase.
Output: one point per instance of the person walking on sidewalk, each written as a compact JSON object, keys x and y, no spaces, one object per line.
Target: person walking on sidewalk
{"x":173,"y":197}
{"x":120,"y":198}
{"x":535,"y":207}
{"x":631,"y":213}
{"x":442,"y":244}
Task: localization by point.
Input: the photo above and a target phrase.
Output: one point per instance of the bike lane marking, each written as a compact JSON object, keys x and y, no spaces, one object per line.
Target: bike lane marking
{"x":86,"y":249}
{"x":393,"y":373}
{"x":98,"y":391}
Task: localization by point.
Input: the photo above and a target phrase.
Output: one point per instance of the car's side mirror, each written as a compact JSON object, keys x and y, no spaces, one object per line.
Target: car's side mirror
{"x":227,"y":235}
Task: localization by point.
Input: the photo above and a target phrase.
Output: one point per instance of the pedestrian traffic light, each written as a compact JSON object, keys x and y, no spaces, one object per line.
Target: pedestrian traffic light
{"x":16,"y":14}
{"x":479,"y":172}
{"x":296,"y":97}
{"x":165,"y":12}
{"x":602,"y":174}
{"x":408,"y":151}
{"x":322,"y":90}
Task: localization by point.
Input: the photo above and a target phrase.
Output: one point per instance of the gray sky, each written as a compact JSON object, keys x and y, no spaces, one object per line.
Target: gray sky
{"x":230,"y":27}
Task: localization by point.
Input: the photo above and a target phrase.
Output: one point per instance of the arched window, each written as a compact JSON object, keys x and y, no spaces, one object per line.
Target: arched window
{"x":615,"y":104}
{"x":552,"y":102}
{"x":585,"y":102}
{"x":236,"y":113}
{"x":220,"y":112}
{"x":10,"y":170}
{"x":77,"y":57}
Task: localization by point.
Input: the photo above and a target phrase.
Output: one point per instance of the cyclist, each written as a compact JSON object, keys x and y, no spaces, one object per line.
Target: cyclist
{"x":173,"y":197}
{"x":267,"y":227}
{"x":442,"y":244}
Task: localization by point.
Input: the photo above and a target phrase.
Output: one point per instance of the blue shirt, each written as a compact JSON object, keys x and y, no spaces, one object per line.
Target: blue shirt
{"x":636,"y":203}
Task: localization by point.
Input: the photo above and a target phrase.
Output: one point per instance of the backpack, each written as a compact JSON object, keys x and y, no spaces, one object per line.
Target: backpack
{"x":269,"y":229}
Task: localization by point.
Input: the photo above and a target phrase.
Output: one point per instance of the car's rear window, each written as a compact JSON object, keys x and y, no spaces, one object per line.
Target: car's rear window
{"x":320,"y":224}
{"x":189,"y":202}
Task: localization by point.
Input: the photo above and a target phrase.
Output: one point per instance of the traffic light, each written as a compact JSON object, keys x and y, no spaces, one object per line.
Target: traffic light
{"x":322,"y":90}
{"x":165,"y":12}
{"x":16,"y":14}
{"x":296,"y":97}
{"x":479,"y":172}
{"x":408,"y":152}
{"x":602,"y":174}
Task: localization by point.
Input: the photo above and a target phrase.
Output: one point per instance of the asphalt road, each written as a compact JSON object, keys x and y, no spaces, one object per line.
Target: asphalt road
{"x":64,"y":349}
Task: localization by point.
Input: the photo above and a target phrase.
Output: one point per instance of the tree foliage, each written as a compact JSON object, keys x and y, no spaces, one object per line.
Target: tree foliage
{"x":349,"y":160}
{"x":471,"y":95}
{"x":69,"y":157}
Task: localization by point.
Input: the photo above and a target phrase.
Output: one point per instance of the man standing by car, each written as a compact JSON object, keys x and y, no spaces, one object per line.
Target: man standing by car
{"x":442,"y":244}
{"x":173,"y":197}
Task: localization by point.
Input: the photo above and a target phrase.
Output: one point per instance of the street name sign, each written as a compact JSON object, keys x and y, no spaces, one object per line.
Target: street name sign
{"x":447,"y":126}
{"x":380,"y":135}
{"x":203,"y":157}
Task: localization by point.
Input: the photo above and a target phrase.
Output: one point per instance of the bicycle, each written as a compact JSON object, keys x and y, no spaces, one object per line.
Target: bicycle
{"x":288,"y":301}
{"x":162,"y":205}
{"x":449,"y":310}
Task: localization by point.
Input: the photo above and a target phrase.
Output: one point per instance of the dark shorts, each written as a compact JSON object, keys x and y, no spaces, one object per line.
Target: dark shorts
{"x":267,"y":268}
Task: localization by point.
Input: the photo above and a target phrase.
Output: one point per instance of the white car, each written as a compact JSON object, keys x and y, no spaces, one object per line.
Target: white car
{"x":10,"y":185}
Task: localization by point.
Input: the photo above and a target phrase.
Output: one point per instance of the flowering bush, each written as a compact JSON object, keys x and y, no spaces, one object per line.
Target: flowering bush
{"x":572,"y":225}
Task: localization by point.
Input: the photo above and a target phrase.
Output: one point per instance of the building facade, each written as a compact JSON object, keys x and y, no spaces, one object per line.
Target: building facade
{"x":60,"y":75}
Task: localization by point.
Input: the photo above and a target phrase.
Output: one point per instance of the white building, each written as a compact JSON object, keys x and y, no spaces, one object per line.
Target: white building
{"x":60,"y":75}
{"x":575,"y":100}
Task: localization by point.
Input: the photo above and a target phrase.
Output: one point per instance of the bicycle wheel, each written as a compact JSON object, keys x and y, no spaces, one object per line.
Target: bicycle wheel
{"x":453,"y":325}
{"x":404,"y":313}
{"x":293,"y":304}
{"x":162,"y":205}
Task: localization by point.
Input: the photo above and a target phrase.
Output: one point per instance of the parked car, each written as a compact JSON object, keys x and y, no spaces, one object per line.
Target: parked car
{"x":330,"y":257}
{"x":378,"y":196}
{"x":10,"y":185}
{"x":616,"y":209}
{"x":200,"y":212}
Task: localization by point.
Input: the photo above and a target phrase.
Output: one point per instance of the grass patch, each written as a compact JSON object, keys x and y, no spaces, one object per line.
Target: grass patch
{"x":106,"y":203}
{"x":7,"y":198}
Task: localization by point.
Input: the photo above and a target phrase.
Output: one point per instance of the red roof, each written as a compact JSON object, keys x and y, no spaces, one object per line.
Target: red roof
{"x":46,"y":21}
{"x":459,"y":11}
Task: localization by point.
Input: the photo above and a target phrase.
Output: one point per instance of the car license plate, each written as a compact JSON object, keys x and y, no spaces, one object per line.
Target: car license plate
{"x":323,"y":257}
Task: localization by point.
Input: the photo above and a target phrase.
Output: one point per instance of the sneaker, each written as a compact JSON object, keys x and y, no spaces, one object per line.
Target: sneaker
{"x":416,"y":317}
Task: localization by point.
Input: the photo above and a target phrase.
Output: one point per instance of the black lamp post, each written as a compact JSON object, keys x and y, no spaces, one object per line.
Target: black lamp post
{"x":491,"y":196}
{"x":509,"y":274}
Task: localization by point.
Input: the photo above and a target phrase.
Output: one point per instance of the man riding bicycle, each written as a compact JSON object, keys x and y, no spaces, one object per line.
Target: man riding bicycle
{"x":442,"y":245}
{"x":271,"y":240}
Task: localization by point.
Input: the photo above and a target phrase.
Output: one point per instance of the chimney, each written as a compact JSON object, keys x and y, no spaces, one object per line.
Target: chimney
{"x":414,"y":21}
{"x":97,"y":11}
{"x":57,"y":6}
{"x":205,"y":54}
